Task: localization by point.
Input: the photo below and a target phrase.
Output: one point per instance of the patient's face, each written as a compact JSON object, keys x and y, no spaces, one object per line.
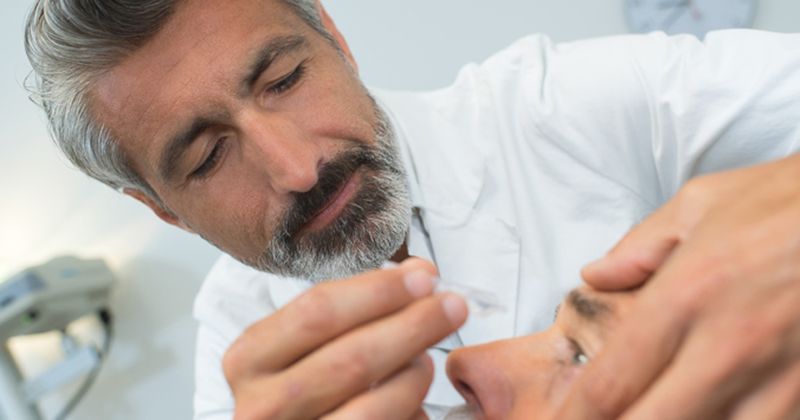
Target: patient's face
{"x":527,"y":376}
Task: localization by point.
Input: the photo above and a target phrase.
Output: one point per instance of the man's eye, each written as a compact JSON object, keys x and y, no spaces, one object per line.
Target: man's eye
{"x":211,"y":161}
{"x":289,"y":81}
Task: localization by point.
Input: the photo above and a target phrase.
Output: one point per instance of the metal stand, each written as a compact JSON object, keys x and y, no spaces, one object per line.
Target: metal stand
{"x":13,"y":401}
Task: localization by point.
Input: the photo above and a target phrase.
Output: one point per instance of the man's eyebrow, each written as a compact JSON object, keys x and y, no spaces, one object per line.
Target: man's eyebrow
{"x":588,"y":308}
{"x":267,"y":54}
{"x":177,"y":146}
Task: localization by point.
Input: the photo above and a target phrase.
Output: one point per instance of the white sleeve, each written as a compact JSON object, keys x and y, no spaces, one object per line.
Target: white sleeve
{"x":212,"y":397}
{"x":232,"y":298}
{"x":652,"y":111}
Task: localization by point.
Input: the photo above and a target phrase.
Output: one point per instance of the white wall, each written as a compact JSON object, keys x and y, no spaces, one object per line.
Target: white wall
{"x":415,"y":44}
{"x":48,"y":208}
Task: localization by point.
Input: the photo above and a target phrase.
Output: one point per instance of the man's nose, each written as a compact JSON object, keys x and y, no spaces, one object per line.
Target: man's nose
{"x":282,"y":151}
{"x":478,"y":375}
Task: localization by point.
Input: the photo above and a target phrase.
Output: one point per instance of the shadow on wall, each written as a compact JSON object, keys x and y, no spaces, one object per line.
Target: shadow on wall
{"x":152,"y":312}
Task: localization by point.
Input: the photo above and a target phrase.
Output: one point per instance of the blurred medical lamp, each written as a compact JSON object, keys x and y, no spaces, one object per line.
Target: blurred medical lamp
{"x":44,"y":298}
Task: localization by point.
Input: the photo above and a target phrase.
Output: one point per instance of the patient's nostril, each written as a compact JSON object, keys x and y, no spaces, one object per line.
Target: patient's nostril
{"x":466,"y":391}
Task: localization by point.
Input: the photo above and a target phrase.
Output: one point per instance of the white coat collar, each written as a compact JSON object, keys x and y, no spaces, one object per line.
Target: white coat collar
{"x":447,"y":166}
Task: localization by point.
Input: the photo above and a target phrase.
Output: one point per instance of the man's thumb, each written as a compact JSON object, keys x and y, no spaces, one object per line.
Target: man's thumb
{"x":631,"y":262}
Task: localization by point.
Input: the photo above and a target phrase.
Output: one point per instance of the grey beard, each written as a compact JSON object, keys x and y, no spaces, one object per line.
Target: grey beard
{"x":369,"y":230}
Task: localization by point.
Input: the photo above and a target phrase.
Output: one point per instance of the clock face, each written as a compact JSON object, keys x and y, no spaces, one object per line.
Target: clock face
{"x":689,"y":16}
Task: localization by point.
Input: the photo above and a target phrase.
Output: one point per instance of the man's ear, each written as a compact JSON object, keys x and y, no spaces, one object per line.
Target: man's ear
{"x":157,"y":208}
{"x":327,"y":22}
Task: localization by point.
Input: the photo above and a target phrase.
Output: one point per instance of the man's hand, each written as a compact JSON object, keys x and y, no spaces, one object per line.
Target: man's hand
{"x":715,"y":332}
{"x":350,"y":349}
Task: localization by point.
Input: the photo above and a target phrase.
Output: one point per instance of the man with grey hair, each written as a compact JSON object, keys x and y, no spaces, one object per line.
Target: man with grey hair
{"x":245,"y":122}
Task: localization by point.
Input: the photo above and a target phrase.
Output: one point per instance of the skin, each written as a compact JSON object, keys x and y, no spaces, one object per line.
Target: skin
{"x":376,"y":353}
{"x":277,"y":142}
{"x":725,"y":243}
{"x":723,"y":256}
{"x":370,"y":332}
{"x":526,"y":377}
{"x":531,"y":376}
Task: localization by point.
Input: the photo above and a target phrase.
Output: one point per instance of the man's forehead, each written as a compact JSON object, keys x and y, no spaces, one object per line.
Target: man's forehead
{"x":197,"y":54}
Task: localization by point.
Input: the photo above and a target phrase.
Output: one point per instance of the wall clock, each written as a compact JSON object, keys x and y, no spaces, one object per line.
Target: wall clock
{"x":695,"y":17}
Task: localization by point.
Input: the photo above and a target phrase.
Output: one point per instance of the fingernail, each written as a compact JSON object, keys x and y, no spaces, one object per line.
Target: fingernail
{"x":594,"y":265}
{"x":419,"y":283}
{"x":455,"y":308}
{"x":407,"y":261}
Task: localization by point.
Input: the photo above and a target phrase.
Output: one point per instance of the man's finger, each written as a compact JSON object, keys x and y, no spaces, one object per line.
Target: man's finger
{"x":638,"y":255}
{"x":420,"y":415}
{"x":780,"y":399}
{"x":697,"y":384}
{"x":705,"y":377}
{"x":348,"y":365}
{"x":398,"y":398}
{"x":323,"y":313}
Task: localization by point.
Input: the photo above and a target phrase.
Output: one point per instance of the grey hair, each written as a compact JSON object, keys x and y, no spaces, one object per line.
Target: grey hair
{"x":70,"y":43}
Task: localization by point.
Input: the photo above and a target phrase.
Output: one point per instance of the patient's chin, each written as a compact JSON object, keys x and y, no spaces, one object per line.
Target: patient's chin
{"x":462,"y":412}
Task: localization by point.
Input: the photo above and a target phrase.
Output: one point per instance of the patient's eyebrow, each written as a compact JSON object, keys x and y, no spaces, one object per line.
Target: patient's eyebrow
{"x":587,"y":307}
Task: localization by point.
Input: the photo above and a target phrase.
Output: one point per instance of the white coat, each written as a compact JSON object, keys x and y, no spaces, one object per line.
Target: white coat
{"x":537,"y":161}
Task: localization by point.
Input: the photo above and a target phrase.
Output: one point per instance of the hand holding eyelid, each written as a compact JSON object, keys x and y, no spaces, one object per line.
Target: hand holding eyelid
{"x":722,"y":255}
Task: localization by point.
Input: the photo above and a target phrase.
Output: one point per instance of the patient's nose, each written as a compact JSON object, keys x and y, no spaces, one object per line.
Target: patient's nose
{"x":479,"y":375}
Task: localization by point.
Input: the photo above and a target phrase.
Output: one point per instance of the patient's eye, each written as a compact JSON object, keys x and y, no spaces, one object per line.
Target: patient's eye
{"x":579,"y":357}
